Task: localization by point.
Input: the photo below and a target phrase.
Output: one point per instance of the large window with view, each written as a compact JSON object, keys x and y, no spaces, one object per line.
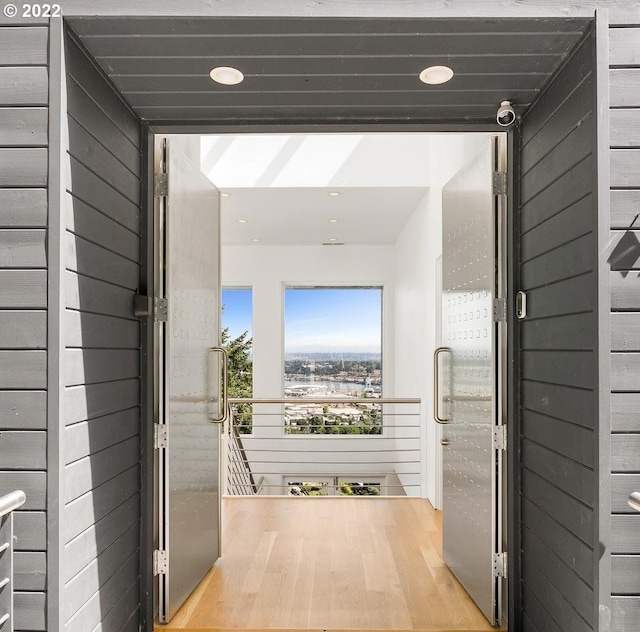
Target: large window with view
{"x":333,"y":360}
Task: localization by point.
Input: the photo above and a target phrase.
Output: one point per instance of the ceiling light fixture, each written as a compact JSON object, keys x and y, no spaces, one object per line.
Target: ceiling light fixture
{"x":256,"y":239}
{"x":225,"y":194}
{"x":334,"y":193}
{"x":226,"y":75}
{"x":333,"y":221}
{"x":242,"y":221}
{"x":333,"y":239}
{"x":435,"y":75}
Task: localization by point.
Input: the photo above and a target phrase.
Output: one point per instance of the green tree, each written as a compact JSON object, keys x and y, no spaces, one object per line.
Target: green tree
{"x":240,"y":376}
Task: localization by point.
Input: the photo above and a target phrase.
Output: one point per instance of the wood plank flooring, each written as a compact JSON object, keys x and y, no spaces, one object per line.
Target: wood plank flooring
{"x":330,"y":564}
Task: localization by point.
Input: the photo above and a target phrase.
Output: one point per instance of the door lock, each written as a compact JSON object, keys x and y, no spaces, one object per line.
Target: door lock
{"x":444,"y":442}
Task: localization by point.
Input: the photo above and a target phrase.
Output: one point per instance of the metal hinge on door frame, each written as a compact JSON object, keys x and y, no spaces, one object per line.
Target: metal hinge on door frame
{"x":500,"y":565}
{"x":160,"y":436}
{"x":160,"y":562}
{"x":500,"y":437}
{"x":161,"y":185}
{"x":160,"y":309}
{"x":499,"y":183}
{"x":499,"y":310}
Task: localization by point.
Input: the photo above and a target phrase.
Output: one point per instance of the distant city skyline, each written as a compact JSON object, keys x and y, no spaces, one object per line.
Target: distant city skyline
{"x":316,"y":320}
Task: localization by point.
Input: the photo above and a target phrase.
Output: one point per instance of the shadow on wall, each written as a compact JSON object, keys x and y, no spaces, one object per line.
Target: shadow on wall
{"x":101,"y":405}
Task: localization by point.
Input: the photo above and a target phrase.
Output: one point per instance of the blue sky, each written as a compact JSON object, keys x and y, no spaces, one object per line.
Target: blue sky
{"x":236,"y":314}
{"x":317,"y":320}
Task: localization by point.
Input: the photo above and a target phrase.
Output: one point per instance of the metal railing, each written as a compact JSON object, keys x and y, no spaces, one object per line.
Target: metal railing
{"x":324,"y":446}
{"x":8,"y":504}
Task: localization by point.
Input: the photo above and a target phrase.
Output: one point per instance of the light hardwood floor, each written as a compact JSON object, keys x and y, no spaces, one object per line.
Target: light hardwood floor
{"x":330,"y":564}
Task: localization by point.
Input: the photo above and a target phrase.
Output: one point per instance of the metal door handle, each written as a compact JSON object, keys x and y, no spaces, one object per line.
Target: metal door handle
{"x":436,"y":385}
{"x":224,"y":386}
{"x":521,"y":305}
{"x":444,"y":442}
{"x":634,"y":501}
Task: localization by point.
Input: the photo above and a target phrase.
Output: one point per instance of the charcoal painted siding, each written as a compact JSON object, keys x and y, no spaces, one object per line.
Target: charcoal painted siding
{"x":101,"y":365}
{"x":24,"y":100}
{"x":559,"y":492}
{"x":624,"y":77}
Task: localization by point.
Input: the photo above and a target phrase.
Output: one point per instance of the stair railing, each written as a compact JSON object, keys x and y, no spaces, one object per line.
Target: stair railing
{"x":8,"y":504}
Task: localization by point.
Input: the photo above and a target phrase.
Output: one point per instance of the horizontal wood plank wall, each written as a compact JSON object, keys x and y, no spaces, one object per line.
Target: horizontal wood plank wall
{"x":101,"y":369}
{"x":624,"y":94}
{"x":24,"y":101}
{"x":558,"y":359}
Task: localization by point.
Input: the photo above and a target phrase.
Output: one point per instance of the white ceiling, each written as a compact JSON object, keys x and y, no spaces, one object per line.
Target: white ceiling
{"x":280,"y":184}
{"x":300,"y":216}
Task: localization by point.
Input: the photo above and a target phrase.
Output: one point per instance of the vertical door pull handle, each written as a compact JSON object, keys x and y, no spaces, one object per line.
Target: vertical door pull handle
{"x":223,"y":413}
{"x":436,"y":384}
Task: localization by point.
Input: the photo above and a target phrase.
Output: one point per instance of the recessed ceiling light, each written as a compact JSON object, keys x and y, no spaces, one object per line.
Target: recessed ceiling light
{"x":334,"y":193}
{"x":226,"y":75}
{"x":256,"y":239}
{"x":225,"y":194}
{"x":333,"y":239}
{"x":435,"y":75}
{"x":242,"y":221}
{"x":333,"y":221}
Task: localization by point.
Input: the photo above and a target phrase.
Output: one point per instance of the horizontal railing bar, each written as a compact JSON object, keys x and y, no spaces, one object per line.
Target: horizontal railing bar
{"x":333,"y":463}
{"x":275,"y":450}
{"x":12,"y":501}
{"x":325,"y":400}
{"x":361,"y":425}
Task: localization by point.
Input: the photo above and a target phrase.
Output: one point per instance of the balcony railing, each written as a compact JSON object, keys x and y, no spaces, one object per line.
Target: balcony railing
{"x":327,"y":446}
{"x":8,"y":504}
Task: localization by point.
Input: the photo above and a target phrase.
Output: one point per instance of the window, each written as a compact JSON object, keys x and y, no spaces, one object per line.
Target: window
{"x":237,"y":316}
{"x":333,"y":349}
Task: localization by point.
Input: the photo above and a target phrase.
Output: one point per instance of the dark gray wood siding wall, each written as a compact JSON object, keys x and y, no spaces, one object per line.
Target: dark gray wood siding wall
{"x":624,"y":95}
{"x":559,"y":362}
{"x":24,"y":100}
{"x":101,"y":364}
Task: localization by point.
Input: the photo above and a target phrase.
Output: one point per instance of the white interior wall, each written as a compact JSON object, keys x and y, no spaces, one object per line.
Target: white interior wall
{"x":268,"y":270}
{"x":416,"y":252}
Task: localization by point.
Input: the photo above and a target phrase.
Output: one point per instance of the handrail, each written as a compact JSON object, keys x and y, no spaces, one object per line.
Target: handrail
{"x":11,"y":501}
{"x":325,"y":400}
{"x":634,"y":501}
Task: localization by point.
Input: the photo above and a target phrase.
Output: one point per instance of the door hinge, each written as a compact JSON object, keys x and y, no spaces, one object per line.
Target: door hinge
{"x":161,"y":185}
{"x":160,"y":436}
{"x":499,"y":564}
{"x":160,"y":562}
{"x":160,"y":309}
{"x":500,"y":437}
{"x":499,"y":310}
{"x":499,"y":182}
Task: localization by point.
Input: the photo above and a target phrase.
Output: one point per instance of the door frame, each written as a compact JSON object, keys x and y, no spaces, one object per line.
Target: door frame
{"x":148,"y":412}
